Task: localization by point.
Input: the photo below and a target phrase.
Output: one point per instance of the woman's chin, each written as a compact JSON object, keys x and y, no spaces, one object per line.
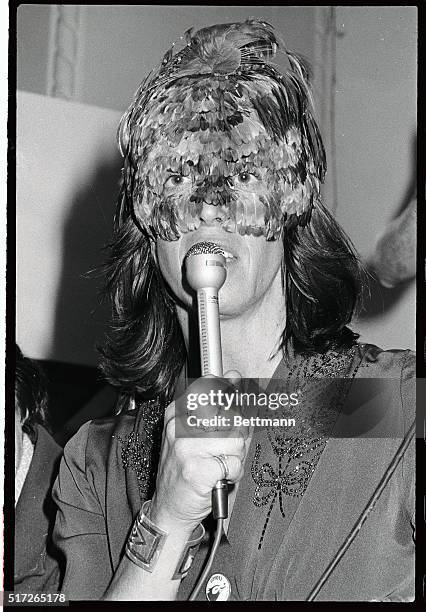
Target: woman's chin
{"x":229,"y":308}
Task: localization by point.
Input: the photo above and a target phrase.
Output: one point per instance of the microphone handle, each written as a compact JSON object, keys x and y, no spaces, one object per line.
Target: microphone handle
{"x":209,"y":330}
{"x":211,"y":363}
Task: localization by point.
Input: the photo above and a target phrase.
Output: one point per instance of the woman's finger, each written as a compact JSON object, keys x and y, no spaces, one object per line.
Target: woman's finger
{"x":207,"y":471}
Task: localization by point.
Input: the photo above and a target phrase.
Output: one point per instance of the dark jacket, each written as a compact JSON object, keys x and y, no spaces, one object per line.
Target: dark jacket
{"x":36,"y":567}
{"x":108,"y":470}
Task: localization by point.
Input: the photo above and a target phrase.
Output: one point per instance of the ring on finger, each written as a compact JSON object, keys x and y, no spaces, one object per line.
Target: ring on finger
{"x":224,"y":465}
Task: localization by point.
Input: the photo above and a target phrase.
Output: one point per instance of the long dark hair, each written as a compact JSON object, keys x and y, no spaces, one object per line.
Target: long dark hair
{"x":145,"y":350}
{"x":31,"y":395}
{"x":323,"y":282}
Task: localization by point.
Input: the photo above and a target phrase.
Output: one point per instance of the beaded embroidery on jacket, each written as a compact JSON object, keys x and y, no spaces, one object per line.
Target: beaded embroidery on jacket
{"x":140,"y":449}
{"x":298,"y":454}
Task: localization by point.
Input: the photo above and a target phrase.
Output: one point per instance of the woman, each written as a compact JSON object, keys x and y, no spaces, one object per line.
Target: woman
{"x":219,"y":146}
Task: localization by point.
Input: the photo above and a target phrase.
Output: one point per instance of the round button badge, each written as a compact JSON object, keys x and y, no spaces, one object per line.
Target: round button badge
{"x":218,"y":588}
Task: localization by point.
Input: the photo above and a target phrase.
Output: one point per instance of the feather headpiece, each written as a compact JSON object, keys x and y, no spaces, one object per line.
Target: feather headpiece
{"x":214,"y":112}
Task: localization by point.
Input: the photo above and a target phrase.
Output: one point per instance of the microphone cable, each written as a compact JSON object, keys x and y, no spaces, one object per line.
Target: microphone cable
{"x":220,"y":513}
{"x":213,"y":551}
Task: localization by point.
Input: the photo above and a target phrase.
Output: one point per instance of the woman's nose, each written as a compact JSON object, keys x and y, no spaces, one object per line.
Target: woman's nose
{"x":212,"y":213}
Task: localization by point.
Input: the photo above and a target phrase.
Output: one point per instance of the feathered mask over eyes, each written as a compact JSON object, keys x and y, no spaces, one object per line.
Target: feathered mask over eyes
{"x":218,"y":125}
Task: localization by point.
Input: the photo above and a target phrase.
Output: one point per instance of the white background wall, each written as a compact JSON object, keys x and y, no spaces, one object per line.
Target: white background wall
{"x":375,"y":144}
{"x":67,"y":181}
{"x":119,"y":45}
{"x":68,"y":166}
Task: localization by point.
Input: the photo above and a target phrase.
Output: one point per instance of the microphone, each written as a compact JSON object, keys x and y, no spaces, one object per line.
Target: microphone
{"x":206,"y":274}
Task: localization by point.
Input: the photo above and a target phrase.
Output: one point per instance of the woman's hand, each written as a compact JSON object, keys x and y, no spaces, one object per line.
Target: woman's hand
{"x":188,"y":469}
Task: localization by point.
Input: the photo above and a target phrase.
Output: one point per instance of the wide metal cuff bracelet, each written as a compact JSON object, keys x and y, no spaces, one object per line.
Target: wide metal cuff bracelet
{"x":146,"y":541}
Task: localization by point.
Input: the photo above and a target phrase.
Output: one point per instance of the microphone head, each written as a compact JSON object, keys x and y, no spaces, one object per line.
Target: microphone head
{"x":205,"y":266}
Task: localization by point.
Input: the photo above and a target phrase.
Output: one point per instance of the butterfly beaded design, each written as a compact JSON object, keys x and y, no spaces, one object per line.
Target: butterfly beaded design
{"x":297,"y":453}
